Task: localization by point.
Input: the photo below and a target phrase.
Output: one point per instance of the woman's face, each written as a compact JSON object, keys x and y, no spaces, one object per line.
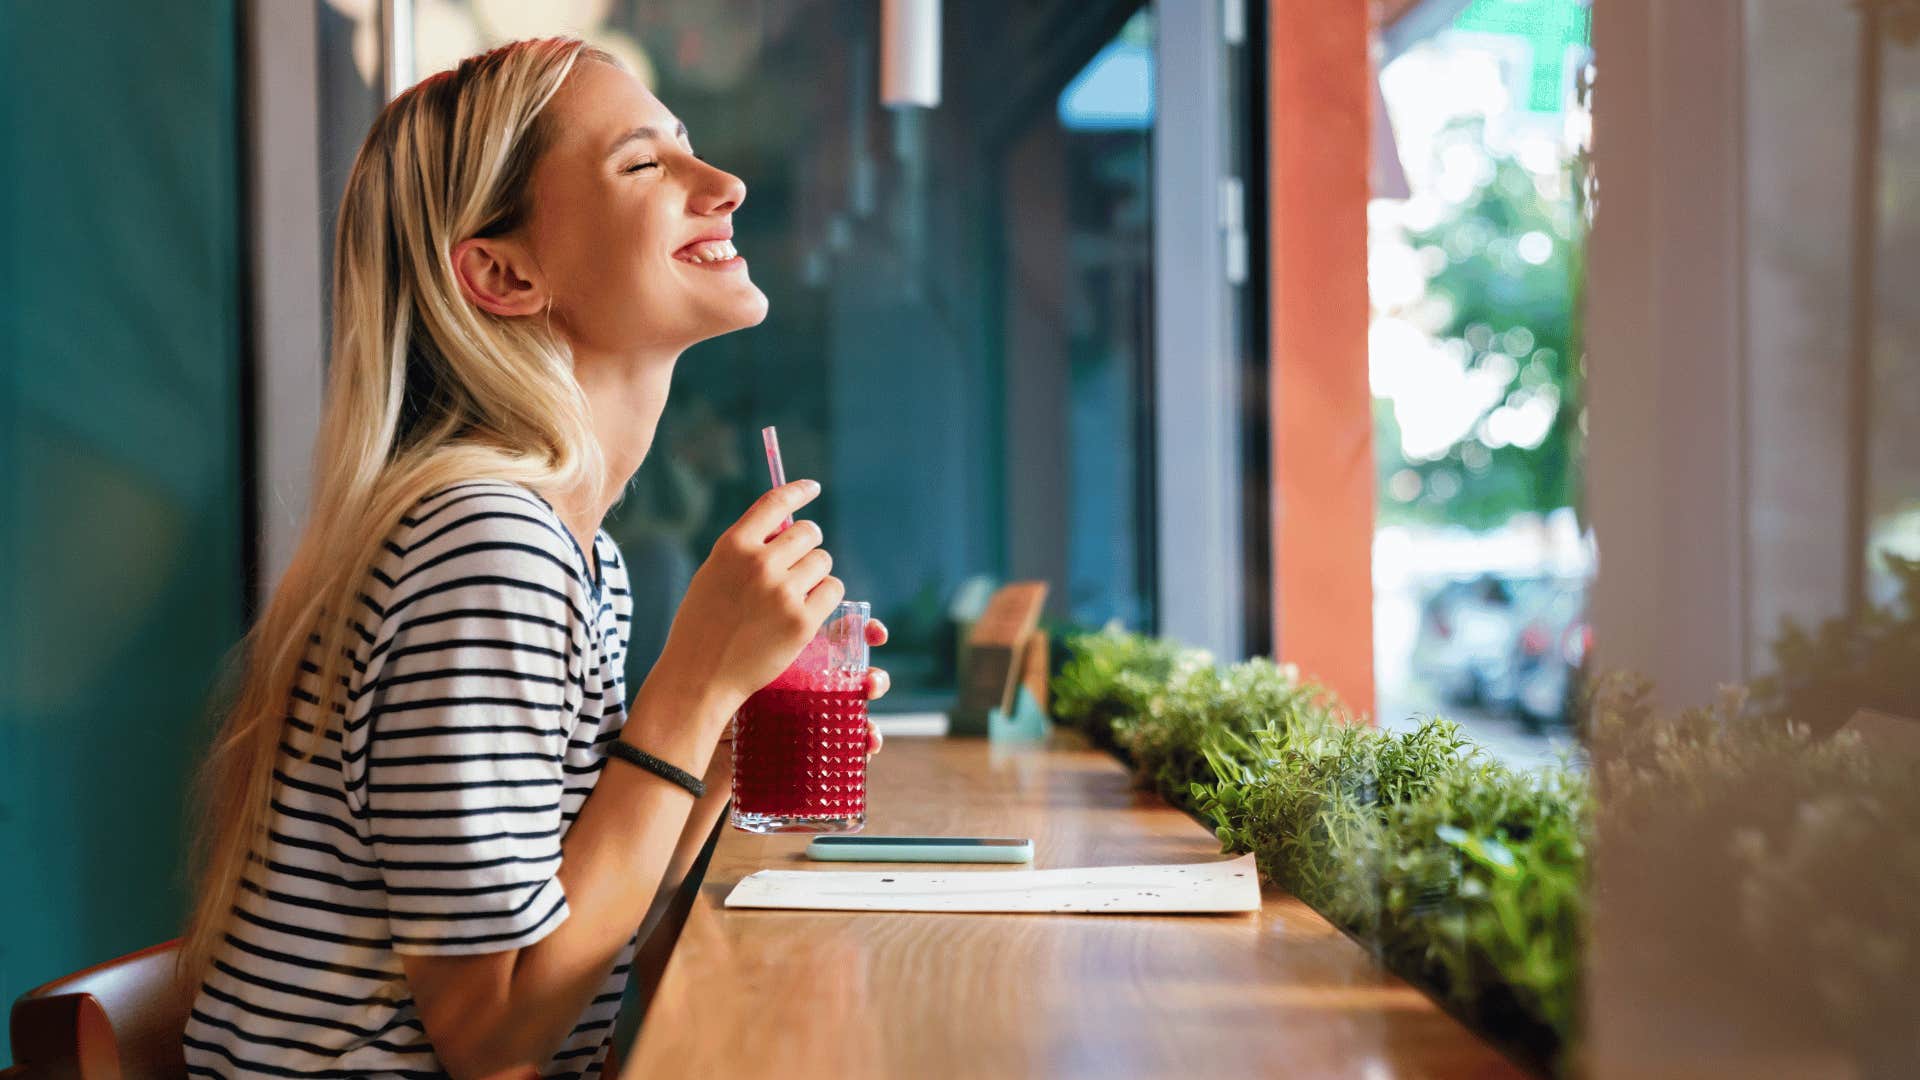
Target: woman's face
{"x":632,"y":233}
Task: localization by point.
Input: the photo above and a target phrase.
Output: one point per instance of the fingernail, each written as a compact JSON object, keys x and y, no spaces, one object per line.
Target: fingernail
{"x":812,"y":486}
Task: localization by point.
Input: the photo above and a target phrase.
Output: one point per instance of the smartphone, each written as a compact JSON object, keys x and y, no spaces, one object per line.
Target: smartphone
{"x":939,"y":849}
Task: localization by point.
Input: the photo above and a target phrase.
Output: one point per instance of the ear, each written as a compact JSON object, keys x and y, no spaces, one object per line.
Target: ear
{"x":498,"y":276}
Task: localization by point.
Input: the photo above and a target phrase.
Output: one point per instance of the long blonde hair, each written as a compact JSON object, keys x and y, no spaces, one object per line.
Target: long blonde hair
{"x":424,"y":390}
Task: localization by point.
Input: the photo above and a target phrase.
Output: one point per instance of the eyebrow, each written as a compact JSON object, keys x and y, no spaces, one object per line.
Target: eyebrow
{"x":679,"y":129}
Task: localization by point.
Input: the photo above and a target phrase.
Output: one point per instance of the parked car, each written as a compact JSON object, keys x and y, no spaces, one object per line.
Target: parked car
{"x":1550,"y":652}
{"x":1464,"y":646}
{"x":1505,"y":644}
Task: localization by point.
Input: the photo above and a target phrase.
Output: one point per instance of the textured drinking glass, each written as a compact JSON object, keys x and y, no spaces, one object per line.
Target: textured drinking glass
{"x":800,"y":742}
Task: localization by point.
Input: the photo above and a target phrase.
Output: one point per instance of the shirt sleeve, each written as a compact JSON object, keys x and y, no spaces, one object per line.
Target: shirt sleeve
{"x":472,"y":684}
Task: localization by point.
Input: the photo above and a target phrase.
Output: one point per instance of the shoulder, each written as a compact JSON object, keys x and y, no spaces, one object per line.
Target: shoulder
{"x":481,"y":532}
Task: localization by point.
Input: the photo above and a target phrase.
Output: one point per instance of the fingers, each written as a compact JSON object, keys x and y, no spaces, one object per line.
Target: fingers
{"x":807,"y":574}
{"x":878,"y":683}
{"x":874,"y":739}
{"x":769,"y":511}
{"x":824,"y":598}
{"x":876,"y":633}
{"x":790,"y":546}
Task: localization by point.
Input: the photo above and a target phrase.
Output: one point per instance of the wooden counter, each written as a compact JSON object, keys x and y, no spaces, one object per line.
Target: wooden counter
{"x":829,"y":994}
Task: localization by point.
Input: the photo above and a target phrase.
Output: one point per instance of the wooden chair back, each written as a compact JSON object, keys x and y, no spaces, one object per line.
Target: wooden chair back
{"x":123,"y":1018}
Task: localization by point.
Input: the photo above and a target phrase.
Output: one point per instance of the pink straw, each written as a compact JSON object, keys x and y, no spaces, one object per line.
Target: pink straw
{"x":774,"y":468}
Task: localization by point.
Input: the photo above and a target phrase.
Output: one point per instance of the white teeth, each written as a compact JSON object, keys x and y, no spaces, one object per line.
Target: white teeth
{"x":711,"y":251}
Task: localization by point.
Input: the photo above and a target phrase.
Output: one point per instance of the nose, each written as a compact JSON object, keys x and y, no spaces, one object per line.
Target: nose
{"x":720,"y":192}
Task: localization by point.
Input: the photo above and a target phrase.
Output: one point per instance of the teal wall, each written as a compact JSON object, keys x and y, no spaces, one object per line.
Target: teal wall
{"x":121,"y":508}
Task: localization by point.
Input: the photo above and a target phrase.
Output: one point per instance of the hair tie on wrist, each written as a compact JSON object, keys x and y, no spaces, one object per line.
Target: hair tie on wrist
{"x":633,"y":755}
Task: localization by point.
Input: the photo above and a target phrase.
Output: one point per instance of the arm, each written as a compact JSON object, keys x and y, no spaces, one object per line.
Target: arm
{"x":751,"y":607}
{"x":493,"y":1011}
{"x":693,"y":836}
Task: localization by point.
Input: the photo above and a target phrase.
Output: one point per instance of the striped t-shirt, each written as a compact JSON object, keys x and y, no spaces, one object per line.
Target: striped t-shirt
{"x":485,"y":686}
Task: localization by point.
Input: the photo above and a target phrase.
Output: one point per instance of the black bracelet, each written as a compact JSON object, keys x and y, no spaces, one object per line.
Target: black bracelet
{"x":633,"y":755}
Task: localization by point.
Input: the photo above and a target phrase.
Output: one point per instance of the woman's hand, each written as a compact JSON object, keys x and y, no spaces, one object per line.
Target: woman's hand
{"x":753,"y":605}
{"x":878,"y":682}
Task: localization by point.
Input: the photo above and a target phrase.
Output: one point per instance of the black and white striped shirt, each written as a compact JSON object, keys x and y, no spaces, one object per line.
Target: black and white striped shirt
{"x":486,"y":684}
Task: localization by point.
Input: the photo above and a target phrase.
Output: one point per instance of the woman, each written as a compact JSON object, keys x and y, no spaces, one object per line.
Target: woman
{"x":423,"y":853}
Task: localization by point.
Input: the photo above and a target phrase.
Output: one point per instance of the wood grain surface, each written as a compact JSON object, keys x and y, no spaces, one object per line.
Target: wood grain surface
{"x":752,"y":993}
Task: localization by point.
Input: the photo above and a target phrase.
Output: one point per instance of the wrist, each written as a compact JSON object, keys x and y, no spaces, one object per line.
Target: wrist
{"x":683,"y":700}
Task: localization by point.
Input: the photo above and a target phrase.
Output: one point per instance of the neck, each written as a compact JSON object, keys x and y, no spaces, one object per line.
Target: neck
{"x":625,"y":395}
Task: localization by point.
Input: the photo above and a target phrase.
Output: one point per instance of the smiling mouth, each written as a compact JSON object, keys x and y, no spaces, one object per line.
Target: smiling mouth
{"x":715,"y":254}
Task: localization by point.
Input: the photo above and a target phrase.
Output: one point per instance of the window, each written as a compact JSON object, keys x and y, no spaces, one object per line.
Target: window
{"x":961,"y":337}
{"x":1476,"y":263}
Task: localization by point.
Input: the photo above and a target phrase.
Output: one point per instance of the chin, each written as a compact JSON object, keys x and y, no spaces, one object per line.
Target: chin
{"x":755,"y":312}
{"x":749,"y":309}
{"x":736,"y":317}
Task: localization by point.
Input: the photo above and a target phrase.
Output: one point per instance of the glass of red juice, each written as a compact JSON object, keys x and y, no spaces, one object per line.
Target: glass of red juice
{"x":800,"y":742}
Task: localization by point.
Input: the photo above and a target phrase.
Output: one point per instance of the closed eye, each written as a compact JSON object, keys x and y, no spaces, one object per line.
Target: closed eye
{"x":637,"y":166}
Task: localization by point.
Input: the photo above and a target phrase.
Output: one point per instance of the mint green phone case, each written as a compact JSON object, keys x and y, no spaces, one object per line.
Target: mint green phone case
{"x":936,"y":849}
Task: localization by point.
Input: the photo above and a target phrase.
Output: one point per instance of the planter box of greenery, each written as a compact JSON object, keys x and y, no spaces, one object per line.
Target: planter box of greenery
{"x":1457,"y":872}
{"x":1471,"y":879}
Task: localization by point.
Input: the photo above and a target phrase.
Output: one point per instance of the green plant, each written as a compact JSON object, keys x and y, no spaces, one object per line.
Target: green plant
{"x":1866,"y":660}
{"x":1113,"y":675}
{"x":1487,"y":884}
{"x":1746,"y":851}
{"x":1458,"y":872}
{"x":1167,"y":736}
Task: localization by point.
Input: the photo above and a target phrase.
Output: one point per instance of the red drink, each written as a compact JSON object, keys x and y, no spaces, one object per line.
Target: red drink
{"x":800,"y":742}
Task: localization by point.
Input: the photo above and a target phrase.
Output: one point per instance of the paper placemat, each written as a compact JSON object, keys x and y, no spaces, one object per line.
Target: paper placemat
{"x":1220,"y":886}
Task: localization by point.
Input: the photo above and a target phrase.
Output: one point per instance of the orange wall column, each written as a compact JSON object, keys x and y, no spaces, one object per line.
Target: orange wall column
{"x":1318,"y":124}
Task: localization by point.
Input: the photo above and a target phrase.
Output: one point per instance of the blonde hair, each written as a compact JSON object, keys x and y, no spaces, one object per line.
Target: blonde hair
{"x":424,"y":390}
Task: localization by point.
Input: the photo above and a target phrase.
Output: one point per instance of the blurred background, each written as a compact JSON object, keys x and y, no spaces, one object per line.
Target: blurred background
{"x":1613,"y":359}
{"x":960,"y":347}
{"x":1476,"y":256}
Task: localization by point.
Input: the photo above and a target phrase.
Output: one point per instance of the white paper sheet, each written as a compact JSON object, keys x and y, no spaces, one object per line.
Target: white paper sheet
{"x":1230,"y":885}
